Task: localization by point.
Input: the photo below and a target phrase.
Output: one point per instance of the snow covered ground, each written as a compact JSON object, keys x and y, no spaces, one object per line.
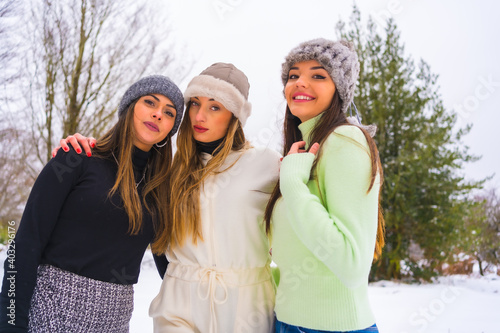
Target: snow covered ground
{"x":455,"y":304}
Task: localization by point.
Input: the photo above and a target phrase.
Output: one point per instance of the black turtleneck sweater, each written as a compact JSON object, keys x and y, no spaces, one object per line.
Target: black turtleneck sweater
{"x":69,"y":222}
{"x":209,"y":147}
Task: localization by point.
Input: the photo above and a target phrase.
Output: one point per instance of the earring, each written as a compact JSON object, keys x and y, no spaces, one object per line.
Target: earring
{"x":162,"y":145}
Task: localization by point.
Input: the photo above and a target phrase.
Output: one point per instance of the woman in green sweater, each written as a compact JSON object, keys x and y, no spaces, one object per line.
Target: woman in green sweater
{"x":324,"y":215}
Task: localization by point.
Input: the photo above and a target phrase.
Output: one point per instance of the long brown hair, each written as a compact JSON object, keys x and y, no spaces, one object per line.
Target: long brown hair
{"x":118,"y":141}
{"x":187,"y":175}
{"x":331,"y":118}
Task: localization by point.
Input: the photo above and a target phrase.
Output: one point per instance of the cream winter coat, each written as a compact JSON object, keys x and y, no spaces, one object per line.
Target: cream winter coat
{"x":223,"y":283}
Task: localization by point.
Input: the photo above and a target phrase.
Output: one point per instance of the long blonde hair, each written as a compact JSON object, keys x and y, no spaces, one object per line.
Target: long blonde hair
{"x":187,"y":175}
{"x":119,"y":141}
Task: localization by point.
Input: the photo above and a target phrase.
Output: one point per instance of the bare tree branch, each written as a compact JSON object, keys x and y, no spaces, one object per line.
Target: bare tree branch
{"x":92,"y":50}
{"x":78,"y":57}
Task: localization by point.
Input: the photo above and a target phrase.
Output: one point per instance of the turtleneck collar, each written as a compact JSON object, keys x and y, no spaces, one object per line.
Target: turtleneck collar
{"x":209,"y":147}
{"x":140,"y":158}
{"x":307,"y":127}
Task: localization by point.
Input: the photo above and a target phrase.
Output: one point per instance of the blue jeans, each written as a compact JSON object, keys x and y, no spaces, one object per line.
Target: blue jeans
{"x":285,"y":328}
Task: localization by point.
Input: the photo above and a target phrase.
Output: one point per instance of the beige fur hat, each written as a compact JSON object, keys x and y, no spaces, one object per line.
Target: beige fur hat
{"x":227,"y":85}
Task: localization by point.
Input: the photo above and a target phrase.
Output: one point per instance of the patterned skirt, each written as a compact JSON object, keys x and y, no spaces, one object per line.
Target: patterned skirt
{"x":65,"y":302}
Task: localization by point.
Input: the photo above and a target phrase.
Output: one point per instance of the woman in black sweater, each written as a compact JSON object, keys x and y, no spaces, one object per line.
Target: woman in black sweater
{"x":71,"y":268}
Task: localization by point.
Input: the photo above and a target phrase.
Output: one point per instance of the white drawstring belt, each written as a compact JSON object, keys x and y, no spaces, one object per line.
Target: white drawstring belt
{"x":214,"y":278}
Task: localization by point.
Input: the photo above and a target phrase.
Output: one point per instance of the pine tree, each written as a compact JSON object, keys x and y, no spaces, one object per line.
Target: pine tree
{"x":424,"y":193}
{"x":481,"y":239}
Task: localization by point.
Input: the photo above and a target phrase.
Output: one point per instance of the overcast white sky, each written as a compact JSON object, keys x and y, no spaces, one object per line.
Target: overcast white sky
{"x":459,"y":39}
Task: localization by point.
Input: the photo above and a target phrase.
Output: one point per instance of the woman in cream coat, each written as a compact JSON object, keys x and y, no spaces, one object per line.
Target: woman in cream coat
{"x":218,"y":278}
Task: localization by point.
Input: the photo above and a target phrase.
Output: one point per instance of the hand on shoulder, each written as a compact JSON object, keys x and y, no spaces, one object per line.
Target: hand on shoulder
{"x":75,"y":141}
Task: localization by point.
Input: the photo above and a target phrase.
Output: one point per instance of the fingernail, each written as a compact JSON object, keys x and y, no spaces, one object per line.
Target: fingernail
{"x":92,"y":145}
{"x":66,"y":149}
{"x":53,"y":155}
{"x":78,"y":151}
{"x":89,"y":154}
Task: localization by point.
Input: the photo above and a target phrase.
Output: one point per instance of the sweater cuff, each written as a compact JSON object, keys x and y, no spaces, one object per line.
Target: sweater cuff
{"x":295,"y":171}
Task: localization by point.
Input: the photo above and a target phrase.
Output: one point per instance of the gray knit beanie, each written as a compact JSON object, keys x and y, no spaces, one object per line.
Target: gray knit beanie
{"x":154,"y":84}
{"x":338,"y":58}
{"x":226,"y":84}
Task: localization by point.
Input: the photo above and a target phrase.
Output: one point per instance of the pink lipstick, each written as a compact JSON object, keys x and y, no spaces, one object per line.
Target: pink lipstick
{"x":200,"y":129}
{"x":152,"y":126}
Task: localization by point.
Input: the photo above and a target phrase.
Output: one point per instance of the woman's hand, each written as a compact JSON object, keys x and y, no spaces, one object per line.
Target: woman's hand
{"x":298,"y":148}
{"x":76,"y":140}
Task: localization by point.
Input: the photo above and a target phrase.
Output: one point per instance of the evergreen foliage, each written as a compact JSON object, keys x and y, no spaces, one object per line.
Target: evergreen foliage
{"x":425,"y":195}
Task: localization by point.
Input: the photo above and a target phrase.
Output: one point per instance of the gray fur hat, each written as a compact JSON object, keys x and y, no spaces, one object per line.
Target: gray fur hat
{"x":154,"y":84}
{"x":338,"y":58}
{"x":226,"y":84}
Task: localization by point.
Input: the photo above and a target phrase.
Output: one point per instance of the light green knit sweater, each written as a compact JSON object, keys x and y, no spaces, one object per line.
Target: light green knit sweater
{"x":324,"y":233}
